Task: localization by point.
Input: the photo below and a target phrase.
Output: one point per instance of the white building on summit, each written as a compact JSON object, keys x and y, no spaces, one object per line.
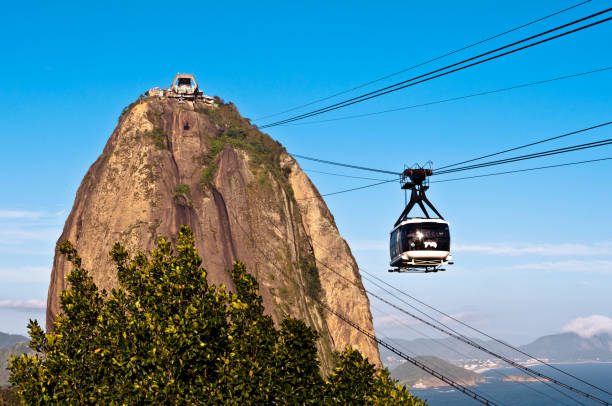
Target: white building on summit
{"x":184,"y":87}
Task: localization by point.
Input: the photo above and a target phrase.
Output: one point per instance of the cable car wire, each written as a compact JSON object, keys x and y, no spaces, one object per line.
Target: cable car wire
{"x":413,"y":361}
{"x":342,"y":175}
{"x":522,"y":170}
{"x":579,"y":147}
{"x":349,"y":190}
{"x":540,"y":82}
{"x":449,"y":374}
{"x":472,"y":177}
{"x":527,"y":145}
{"x":404,"y":84}
{"x":470,"y":342}
{"x":371,"y":336}
{"x":425,"y":62}
{"x":455,"y":179}
{"x":481,"y":165}
{"x":458,"y":336}
{"x":465,"y":356}
{"x":371,"y":275}
{"x":363,"y":168}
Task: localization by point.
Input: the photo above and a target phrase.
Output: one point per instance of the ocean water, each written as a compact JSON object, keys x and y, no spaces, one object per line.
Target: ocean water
{"x":529,"y":393}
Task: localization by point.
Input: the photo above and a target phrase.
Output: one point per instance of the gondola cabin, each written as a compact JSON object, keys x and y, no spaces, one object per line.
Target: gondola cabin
{"x":420,"y":244}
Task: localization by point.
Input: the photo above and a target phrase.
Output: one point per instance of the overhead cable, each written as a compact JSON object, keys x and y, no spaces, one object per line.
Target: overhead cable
{"x":349,"y":190}
{"x":363,"y":168}
{"x":469,"y":177}
{"x":450,"y":317}
{"x":341,"y":175}
{"x":563,"y":150}
{"x":405,"y":324}
{"x":413,"y":106}
{"x":425,"y":62}
{"x":460,"y":337}
{"x":408,"y":358}
{"x":455,"y":179}
{"x":404,"y":84}
{"x":528,"y":145}
{"x":521,"y":170}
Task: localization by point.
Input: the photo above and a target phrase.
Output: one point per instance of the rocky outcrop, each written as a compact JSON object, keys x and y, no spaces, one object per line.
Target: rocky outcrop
{"x":168,"y":164}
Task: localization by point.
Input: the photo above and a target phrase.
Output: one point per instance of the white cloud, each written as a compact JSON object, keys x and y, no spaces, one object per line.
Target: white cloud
{"x":572,"y":265}
{"x":589,"y":326}
{"x":30,"y":304}
{"x":392,"y":320}
{"x":517,"y":249}
{"x":37,"y":274}
{"x":20,"y":214}
{"x":18,"y":236}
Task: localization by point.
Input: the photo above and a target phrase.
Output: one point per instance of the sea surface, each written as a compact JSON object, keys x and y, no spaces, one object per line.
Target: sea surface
{"x":528,"y":393}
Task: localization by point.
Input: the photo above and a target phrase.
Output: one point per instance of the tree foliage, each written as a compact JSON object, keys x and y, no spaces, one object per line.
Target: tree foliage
{"x":168,"y":337}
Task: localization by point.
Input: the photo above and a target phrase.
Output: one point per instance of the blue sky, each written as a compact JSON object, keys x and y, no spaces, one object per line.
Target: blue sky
{"x":533,"y":251}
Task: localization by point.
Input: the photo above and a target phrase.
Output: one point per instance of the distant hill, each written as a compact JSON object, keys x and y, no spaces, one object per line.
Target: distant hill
{"x":570,"y":347}
{"x":563,"y":347}
{"x":5,"y":355}
{"x":414,"y":377}
{"x":9,"y":340}
{"x":445,"y":348}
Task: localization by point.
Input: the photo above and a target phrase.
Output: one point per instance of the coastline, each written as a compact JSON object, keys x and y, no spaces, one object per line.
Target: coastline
{"x":532,"y":363}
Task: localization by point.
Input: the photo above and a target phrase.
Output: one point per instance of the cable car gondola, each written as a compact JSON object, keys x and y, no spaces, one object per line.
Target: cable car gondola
{"x":419,"y":244}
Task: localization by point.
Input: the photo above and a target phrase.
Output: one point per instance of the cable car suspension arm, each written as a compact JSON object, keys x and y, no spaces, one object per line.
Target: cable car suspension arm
{"x":415,"y":179}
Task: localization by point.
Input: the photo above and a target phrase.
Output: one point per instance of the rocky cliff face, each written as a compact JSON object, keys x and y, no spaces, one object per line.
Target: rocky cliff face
{"x":168,"y":164}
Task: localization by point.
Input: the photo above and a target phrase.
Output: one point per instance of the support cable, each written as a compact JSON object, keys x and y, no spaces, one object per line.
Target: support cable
{"x":363,"y":168}
{"x":542,"y":379}
{"x":452,"y":376}
{"x":479,"y":331}
{"x":425,"y":62}
{"x":497,"y":372}
{"x":556,"y":151}
{"x":469,"y":96}
{"x":500,"y":356}
{"x":408,"y":358}
{"x":476,"y":176}
{"x":349,"y":190}
{"x":342,"y":175}
{"x":405,"y":84}
{"x":522,"y":170}
{"x":528,"y":145}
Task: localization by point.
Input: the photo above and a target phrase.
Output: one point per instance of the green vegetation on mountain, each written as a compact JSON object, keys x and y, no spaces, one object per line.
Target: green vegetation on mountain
{"x":166,"y":336}
{"x":238,"y":131}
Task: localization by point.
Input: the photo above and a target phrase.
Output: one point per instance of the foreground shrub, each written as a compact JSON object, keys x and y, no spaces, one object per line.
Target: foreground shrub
{"x":168,"y":337}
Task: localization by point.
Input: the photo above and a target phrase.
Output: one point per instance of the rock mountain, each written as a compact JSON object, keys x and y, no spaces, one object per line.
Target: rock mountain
{"x":244,"y":197}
